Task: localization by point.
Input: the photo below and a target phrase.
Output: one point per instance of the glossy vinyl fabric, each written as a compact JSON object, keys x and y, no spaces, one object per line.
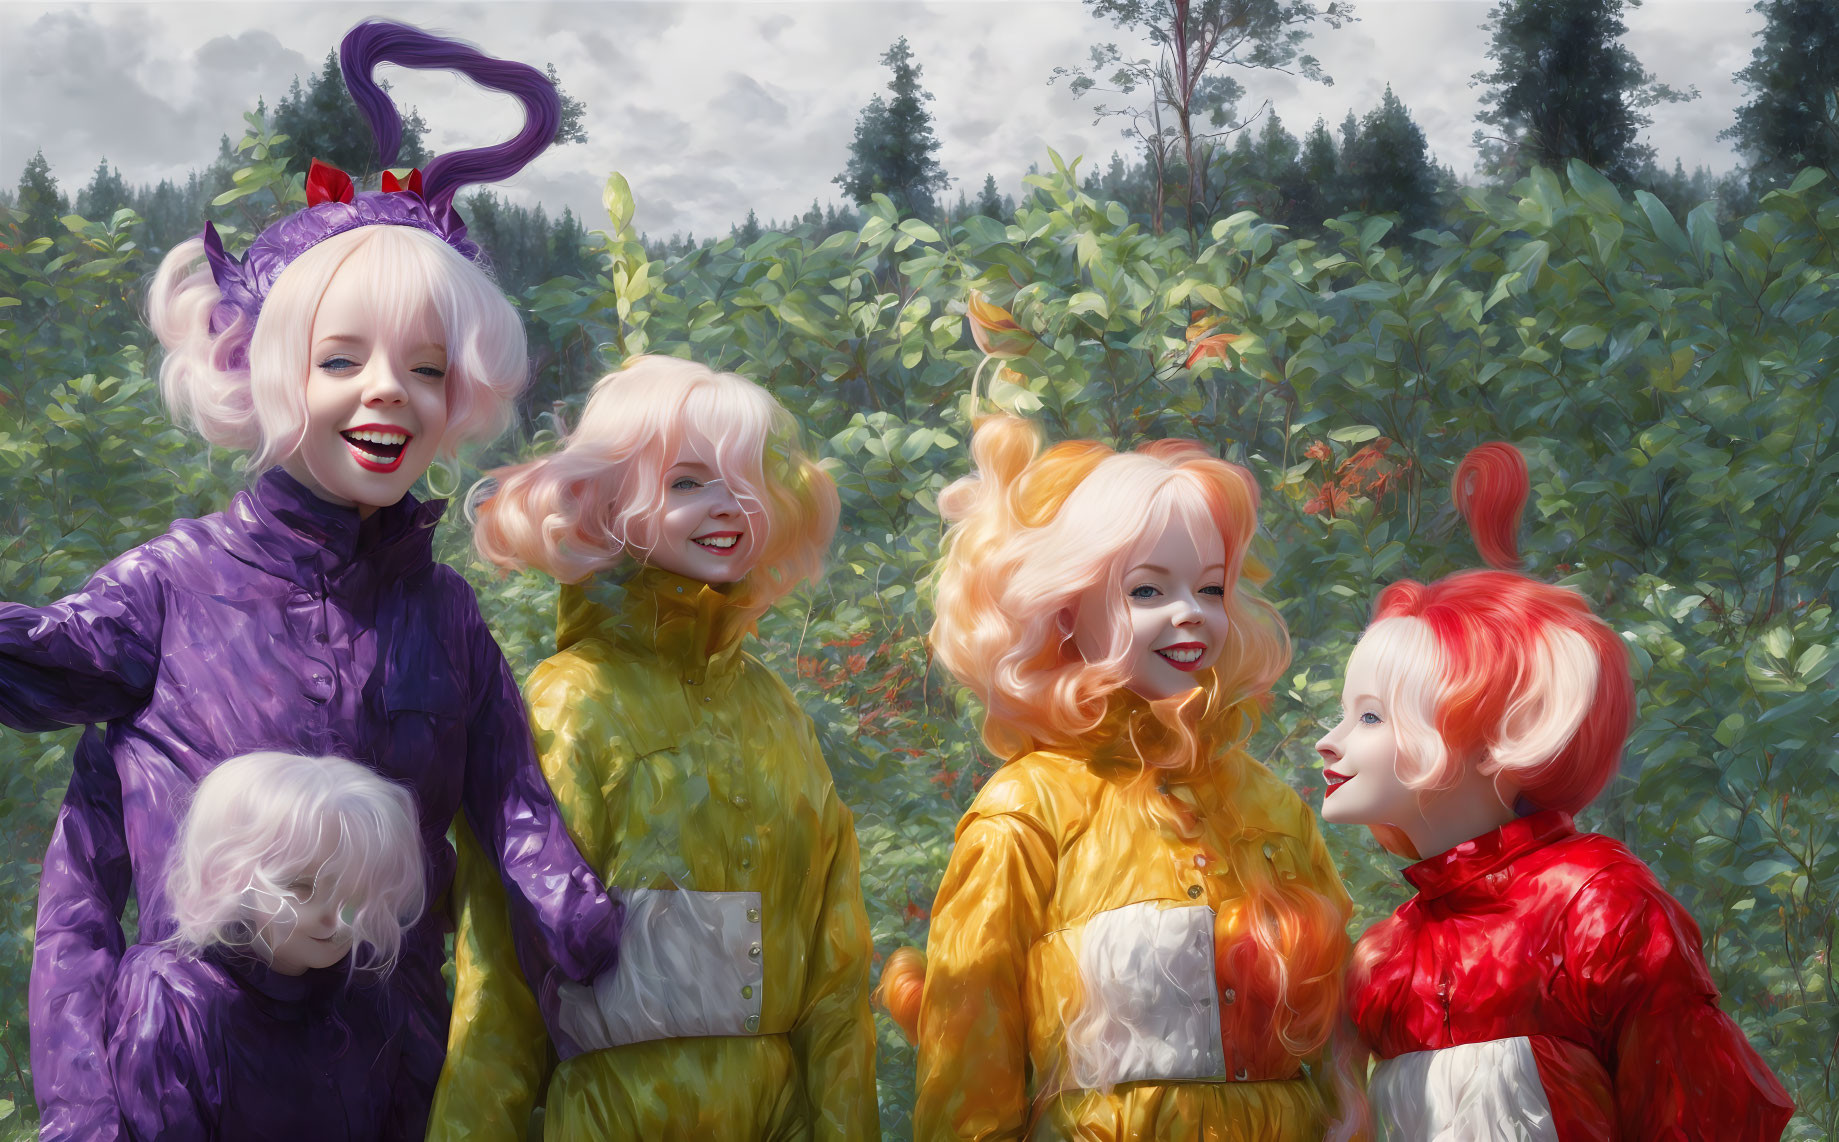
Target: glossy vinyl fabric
{"x":1053,"y":840}
{"x":679,"y":762}
{"x":1567,"y":939}
{"x":327,"y":1064}
{"x":284,"y":623}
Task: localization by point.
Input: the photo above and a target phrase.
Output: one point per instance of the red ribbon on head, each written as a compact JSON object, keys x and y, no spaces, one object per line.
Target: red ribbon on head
{"x":391,"y":186}
{"x":327,"y":184}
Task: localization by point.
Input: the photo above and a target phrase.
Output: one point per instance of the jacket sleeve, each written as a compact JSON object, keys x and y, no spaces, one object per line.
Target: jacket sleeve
{"x":89,"y":657}
{"x":1682,"y":1069}
{"x":514,"y":818}
{"x":497,"y":1045}
{"x":157,"y":1074}
{"x":973,"y":1044}
{"x":834,"y":1037}
{"x":77,"y":946}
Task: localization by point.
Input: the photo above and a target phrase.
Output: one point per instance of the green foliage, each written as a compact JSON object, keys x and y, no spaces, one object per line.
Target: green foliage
{"x":1792,"y":118}
{"x":1565,"y":87}
{"x":1672,"y":387}
{"x":895,"y":152}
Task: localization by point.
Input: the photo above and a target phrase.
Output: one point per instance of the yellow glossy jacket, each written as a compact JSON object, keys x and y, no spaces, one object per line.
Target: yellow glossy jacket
{"x":678,"y":761}
{"x":1054,"y":839}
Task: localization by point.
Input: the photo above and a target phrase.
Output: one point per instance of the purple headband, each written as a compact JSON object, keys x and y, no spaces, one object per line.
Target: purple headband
{"x":426,"y":203}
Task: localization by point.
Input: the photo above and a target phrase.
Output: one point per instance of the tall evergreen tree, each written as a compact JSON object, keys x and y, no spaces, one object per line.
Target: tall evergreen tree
{"x":989,"y":200}
{"x":40,"y":199}
{"x":105,"y":194}
{"x":321,"y":122}
{"x":1387,"y":167}
{"x":1564,"y":87}
{"x":895,"y":151}
{"x":1792,"y":119}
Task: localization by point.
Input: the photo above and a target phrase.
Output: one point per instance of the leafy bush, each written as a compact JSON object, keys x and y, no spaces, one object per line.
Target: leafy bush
{"x":1673,"y":389}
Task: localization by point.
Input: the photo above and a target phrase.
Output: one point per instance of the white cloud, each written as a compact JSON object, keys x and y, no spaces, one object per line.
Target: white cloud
{"x":716,"y":107}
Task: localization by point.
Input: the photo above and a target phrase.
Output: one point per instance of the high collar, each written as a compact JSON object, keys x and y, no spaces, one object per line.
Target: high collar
{"x":1490,"y":852}
{"x":312,"y":986}
{"x":694,"y":626}
{"x":281,"y":527}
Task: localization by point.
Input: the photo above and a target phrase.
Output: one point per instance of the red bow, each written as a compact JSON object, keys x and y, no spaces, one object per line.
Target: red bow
{"x":391,"y":186}
{"x":326,"y":183}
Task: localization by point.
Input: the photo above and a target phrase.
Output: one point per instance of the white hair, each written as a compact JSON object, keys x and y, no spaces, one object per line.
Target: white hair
{"x":258,"y":822}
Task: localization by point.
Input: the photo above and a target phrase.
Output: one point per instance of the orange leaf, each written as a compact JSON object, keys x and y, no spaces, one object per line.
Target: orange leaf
{"x":1214,"y":346}
{"x":995,"y":329}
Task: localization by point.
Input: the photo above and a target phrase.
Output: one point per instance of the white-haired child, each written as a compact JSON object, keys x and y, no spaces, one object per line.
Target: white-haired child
{"x":292,"y":881}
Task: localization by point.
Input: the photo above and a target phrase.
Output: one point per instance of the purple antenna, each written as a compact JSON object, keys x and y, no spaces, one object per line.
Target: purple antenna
{"x":384,"y":41}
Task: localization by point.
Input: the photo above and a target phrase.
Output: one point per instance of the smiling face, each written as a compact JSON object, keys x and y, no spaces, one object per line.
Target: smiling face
{"x":308,"y":931}
{"x":1360,"y":757}
{"x":376,"y":401}
{"x":1173,"y":609}
{"x":1389,"y":703}
{"x":702,"y":532}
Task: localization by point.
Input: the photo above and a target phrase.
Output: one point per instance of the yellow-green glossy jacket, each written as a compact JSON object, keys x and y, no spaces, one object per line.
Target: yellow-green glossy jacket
{"x":691,"y":781}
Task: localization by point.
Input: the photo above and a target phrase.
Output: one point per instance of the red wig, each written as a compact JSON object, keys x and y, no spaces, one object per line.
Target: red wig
{"x":1516,"y":693}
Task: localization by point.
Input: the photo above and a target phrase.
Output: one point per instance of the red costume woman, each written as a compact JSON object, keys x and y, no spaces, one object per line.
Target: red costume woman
{"x":1541,"y":985}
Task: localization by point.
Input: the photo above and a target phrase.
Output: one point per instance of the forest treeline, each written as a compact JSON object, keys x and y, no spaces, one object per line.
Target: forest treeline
{"x":1559,"y":82}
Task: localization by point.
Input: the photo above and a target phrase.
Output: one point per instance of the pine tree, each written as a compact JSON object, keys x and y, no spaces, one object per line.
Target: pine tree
{"x":321,"y":122}
{"x":989,"y":200}
{"x":105,"y":194}
{"x":748,"y":232}
{"x":1565,"y":87}
{"x":1387,"y":169}
{"x":1792,"y":119}
{"x":39,"y":198}
{"x":895,"y":151}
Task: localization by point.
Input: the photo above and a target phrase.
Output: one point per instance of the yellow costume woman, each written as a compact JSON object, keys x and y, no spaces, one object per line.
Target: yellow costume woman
{"x":691,"y":780}
{"x":1140,"y":934}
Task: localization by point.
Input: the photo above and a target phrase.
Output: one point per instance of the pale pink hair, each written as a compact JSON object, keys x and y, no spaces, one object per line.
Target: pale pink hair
{"x":1035,"y":530}
{"x":246,"y":388}
{"x":259,"y":822}
{"x":584,"y":507}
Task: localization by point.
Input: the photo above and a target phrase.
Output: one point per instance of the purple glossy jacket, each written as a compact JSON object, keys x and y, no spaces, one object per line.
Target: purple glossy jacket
{"x":283,"y":623}
{"x":328,"y":1066}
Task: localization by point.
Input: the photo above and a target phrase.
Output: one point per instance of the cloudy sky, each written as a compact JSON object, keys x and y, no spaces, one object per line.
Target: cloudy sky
{"x":713,"y":107}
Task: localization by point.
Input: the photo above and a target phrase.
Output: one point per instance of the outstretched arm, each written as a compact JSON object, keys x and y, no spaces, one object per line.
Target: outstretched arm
{"x":92,"y":656}
{"x":514,"y":818}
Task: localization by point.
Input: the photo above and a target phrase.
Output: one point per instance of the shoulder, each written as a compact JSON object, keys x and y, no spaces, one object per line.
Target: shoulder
{"x":1049,"y":789}
{"x":1612,"y":885}
{"x":594,"y":695}
{"x":156,"y":990}
{"x":1268,"y":802}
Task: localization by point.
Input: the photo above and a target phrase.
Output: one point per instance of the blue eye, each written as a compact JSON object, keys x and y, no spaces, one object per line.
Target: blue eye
{"x":1369,"y":719}
{"x":1213,"y":590}
{"x":433,"y":372}
{"x":684,"y":484}
{"x":334,"y":364}
{"x":1144,"y":592}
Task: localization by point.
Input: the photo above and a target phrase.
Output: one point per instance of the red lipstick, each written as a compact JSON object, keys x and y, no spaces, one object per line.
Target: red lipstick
{"x":1197,"y":651}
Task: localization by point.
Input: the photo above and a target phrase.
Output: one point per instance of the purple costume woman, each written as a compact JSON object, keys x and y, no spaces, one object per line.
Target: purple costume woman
{"x":310,"y":616}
